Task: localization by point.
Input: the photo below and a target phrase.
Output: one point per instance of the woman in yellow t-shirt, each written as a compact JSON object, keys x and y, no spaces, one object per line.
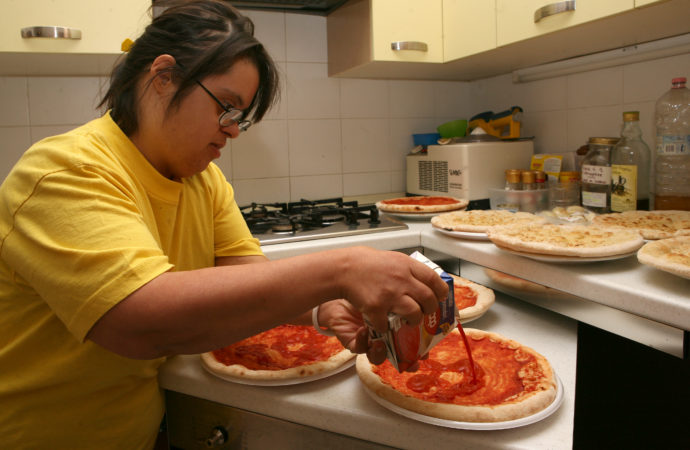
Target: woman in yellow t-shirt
{"x":121,"y":244}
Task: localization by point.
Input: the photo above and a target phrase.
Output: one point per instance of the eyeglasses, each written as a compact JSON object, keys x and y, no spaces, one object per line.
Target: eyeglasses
{"x":229,"y":116}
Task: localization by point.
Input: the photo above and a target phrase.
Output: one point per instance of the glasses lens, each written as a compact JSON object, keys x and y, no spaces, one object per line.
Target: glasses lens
{"x":230,"y":117}
{"x":243,"y":125}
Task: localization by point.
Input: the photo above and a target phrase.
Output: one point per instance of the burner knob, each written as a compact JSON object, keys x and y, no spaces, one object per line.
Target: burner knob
{"x":218,"y":437}
{"x":374,"y":216}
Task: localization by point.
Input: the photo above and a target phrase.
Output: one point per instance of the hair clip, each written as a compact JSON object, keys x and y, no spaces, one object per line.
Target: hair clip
{"x":126,"y":45}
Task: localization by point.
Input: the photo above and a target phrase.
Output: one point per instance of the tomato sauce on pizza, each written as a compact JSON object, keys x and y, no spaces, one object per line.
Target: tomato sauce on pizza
{"x":426,"y":201}
{"x":279,"y":348}
{"x":465,"y":296}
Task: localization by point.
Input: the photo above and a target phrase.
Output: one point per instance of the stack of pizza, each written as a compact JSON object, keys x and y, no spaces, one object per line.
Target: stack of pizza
{"x":651,"y":224}
{"x":287,"y":354}
{"x":464,"y":223}
{"x":421,"y":205}
{"x":566,"y":242}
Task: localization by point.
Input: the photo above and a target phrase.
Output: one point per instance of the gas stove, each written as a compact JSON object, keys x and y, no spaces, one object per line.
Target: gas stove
{"x":277,"y":223}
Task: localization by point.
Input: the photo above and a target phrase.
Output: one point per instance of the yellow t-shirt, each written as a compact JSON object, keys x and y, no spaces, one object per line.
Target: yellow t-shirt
{"x":85,"y":220}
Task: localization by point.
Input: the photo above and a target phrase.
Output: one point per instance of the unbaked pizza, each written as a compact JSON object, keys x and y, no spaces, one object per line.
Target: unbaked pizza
{"x":471,"y":299}
{"x":508,"y":380}
{"x":421,"y":204}
{"x":478,"y":221}
{"x":566,"y":240}
{"x":651,"y":224}
{"x":286,"y":352}
{"x":671,"y":255}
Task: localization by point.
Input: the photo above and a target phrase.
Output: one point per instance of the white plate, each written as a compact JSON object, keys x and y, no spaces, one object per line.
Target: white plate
{"x":463,"y":234}
{"x":536,"y":417}
{"x":285,"y":382}
{"x":568,"y":259}
{"x":412,"y":216}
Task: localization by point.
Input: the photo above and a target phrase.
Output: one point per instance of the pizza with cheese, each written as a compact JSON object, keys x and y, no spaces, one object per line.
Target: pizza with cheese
{"x":508,"y":381}
{"x":421,"y":204}
{"x":471,"y":299}
{"x":671,"y":255}
{"x":566,"y":240}
{"x":651,"y":224}
{"x":478,"y":221}
{"x":282,"y":353}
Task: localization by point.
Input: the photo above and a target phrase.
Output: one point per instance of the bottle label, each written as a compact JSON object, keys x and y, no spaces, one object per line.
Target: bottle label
{"x":596,"y":174}
{"x":669,"y":144}
{"x":623,"y":187}
{"x":594,"y":199}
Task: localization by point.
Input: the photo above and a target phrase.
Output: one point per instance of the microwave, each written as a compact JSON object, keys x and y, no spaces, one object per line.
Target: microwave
{"x":466,"y":170}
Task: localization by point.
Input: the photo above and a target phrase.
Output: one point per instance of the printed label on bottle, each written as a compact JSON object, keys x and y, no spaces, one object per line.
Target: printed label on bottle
{"x":623,"y":187}
{"x":594,"y":199}
{"x":596,"y":174}
{"x":673,"y":144}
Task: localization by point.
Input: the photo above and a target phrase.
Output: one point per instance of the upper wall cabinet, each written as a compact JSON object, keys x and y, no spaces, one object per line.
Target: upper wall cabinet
{"x":524,"y":19}
{"x":469,"y":27}
{"x":76,"y":37}
{"x":366,"y":36}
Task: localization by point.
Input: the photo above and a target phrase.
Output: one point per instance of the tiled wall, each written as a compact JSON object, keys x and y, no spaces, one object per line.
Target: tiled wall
{"x":348,"y":137}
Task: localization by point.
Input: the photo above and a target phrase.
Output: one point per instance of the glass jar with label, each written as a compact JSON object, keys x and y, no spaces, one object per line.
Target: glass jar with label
{"x":630,"y":167}
{"x":596,"y":175}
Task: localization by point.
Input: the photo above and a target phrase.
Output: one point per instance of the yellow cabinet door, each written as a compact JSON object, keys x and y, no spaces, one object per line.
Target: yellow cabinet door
{"x":517,"y":20}
{"x":103,"y":24}
{"x":469,"y":27}
{"x":407,"y":30}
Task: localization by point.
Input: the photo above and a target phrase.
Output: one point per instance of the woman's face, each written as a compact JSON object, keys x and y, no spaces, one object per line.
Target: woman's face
{"x":191,"y":135}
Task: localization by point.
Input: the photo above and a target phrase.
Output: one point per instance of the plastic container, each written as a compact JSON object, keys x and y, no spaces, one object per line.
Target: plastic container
{"x":528,"y":201}
{"x":454,"y":128}
{"x":672,"y":158}
{"x":426,"y":138}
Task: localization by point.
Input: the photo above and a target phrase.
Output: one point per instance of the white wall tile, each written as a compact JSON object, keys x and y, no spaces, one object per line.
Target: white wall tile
{"x":366,"y":145}
{"x":264,"y":190}
{"x":398,"y":181}
{"x":269,"y":29}
{"x":14,"y":98}
{"x":261,"y":152}
{"x":306,"y":38}
{"x":40,"y":132}
{"x":452,"y":100}
{"x":600,"y":121}
{"x":364,"y":98}
{"x":411,"y":98}
{"x":366,"y":183}
{"x":14,"y":141}
{"x":279,"y":110}
{"x":63,"y":100}
{"x":310,"y":93}
{"x":596,"y":88}
{"x":315,"y":147}
{"x":541,"y":95}
{"x":316,"y":187}
{"x":647,"y":81}
{"x":550,"y":130}
{"x":401,"y":141}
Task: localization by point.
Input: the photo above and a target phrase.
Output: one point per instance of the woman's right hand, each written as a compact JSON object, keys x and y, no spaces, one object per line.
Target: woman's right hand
{"x":379,"y":282}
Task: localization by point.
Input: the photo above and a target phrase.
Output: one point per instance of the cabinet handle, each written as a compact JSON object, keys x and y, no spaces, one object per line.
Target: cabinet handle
{"x":553,"y":9}
{"x":51,"y":32}
{"x":409,"y":45}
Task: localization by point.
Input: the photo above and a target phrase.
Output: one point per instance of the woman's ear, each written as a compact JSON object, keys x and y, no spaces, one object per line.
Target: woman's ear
{"x":161,"y":73}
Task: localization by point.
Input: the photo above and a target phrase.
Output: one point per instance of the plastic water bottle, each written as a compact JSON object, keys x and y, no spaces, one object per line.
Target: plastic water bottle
{"x":672,"y":165}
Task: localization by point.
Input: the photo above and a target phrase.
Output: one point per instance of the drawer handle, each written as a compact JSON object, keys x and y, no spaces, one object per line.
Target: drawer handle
{"x":553,"y":9}
{"x":409,"y":45}
{"x":51,"y":32}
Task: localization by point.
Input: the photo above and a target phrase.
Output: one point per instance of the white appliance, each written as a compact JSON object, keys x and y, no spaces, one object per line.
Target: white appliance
{"x":467,"y":169}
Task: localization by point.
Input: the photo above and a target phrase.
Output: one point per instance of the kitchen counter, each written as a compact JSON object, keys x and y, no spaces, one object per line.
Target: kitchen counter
{"x":340,"y":404}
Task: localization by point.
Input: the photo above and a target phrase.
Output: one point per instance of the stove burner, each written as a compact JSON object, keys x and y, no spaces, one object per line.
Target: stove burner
{"x":312,"y":218}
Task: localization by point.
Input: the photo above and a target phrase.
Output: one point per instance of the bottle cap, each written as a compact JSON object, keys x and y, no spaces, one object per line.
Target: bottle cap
{"x":513,"y":175}
{"x":631,"y":116}
{"x":539,"y":176}
{"x":603,"y":140}
{"x":527,"y":176}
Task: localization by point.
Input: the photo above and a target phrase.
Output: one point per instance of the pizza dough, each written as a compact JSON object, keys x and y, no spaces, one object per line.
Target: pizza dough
{"x":478,"y":221}
{"x":421,"y":204}
{"x":671,"y":255}
{"x":514,"y":381}
{"x":471,"y":299}
{"x":566,"y":240}
{"x":282,"y":353}
{"x":651,"y":224}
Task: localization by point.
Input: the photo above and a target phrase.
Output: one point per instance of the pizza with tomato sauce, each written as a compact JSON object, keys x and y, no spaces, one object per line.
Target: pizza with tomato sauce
{"x":286,"y":352}
{"x":471,"y":299}
{"x":421,"y":204}
{"x":509,"y":381}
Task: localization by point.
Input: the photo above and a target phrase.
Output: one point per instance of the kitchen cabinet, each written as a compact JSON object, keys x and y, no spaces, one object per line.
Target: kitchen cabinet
{"x":103,"y":26}
{"x":524,"y":19}
{"x":469,"y":27}
{"x":366,"y":35}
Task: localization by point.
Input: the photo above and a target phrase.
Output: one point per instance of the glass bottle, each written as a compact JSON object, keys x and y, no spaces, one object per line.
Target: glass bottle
{"x":513,"y":180}
{"x":630,"y":167}
{"x":672,"y":158}
{"x":596,"y":175}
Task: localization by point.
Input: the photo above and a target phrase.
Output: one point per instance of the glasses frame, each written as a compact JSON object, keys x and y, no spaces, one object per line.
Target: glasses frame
{"x":229,"y":116}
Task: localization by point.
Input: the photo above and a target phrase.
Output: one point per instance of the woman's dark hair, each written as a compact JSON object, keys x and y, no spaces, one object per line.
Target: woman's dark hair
{"x":206,"y":37}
